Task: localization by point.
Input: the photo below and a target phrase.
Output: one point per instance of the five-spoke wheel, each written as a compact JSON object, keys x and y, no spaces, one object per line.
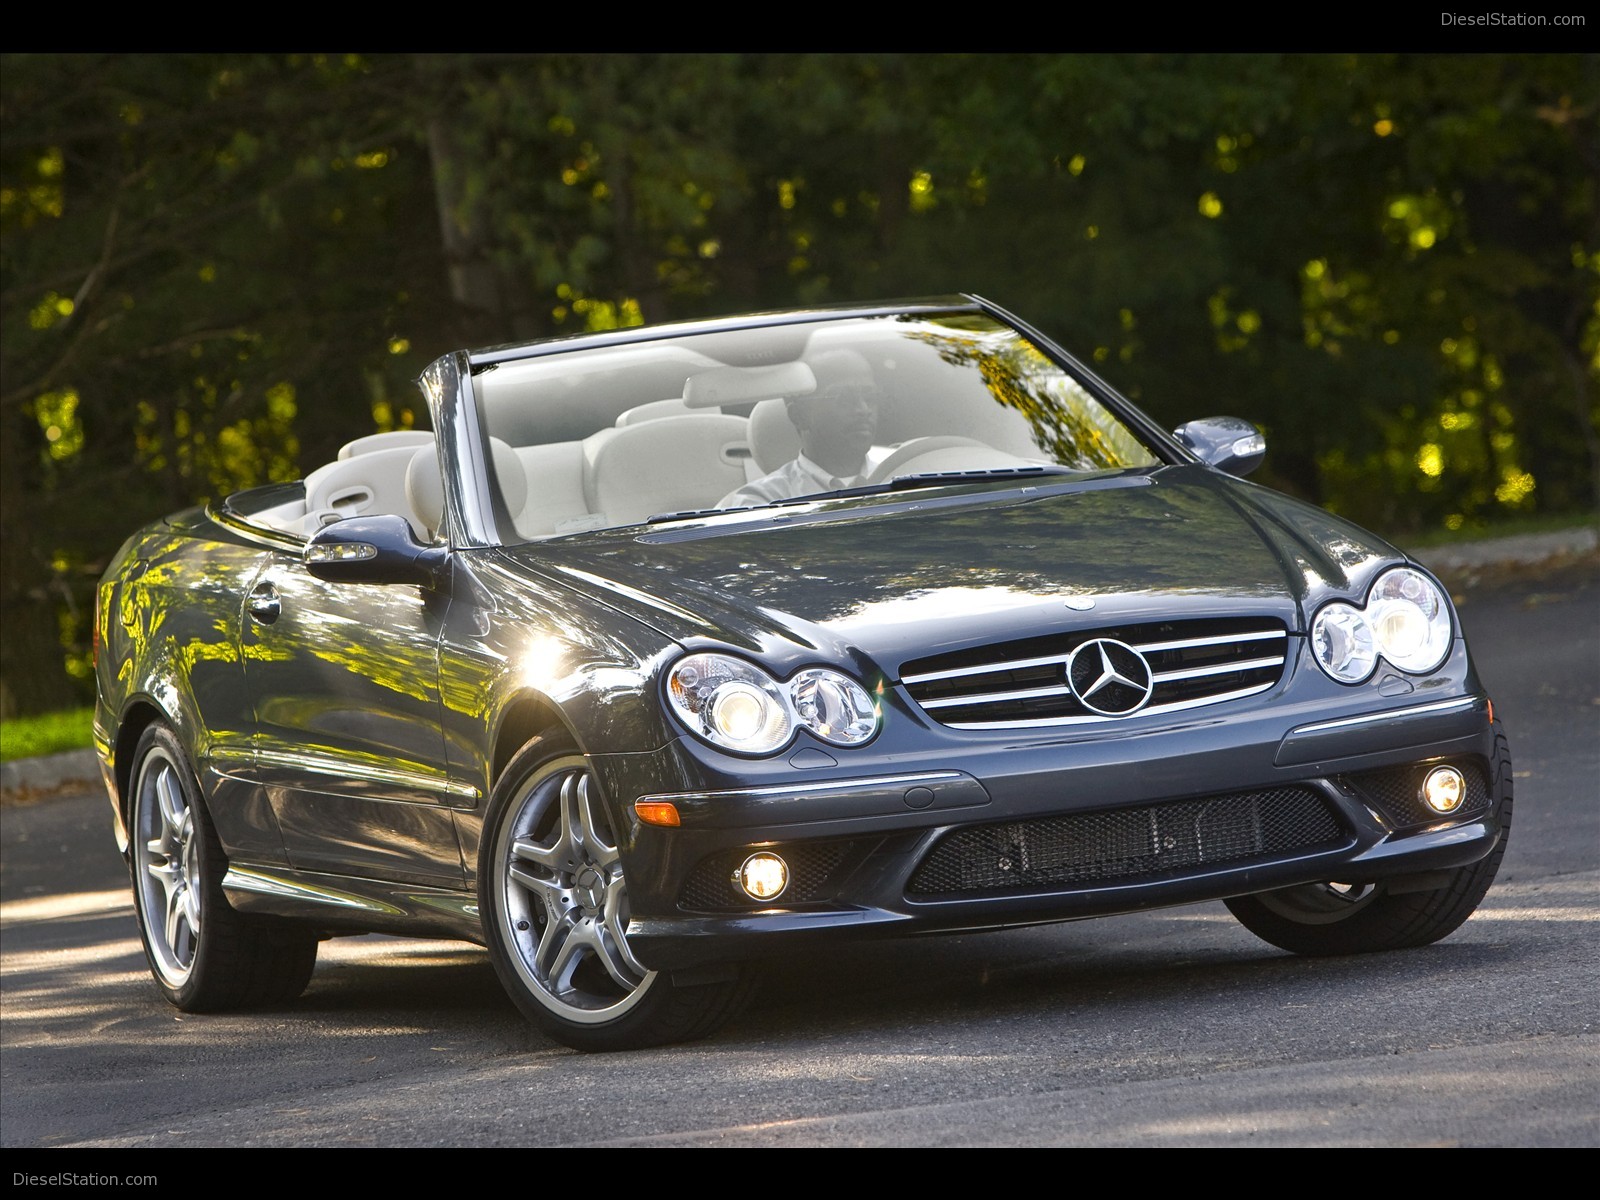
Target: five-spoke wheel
{"x":556,"y":914}
{"x":203,"y":954}
{"x":565,"y":901}
{"x":166,"y":867}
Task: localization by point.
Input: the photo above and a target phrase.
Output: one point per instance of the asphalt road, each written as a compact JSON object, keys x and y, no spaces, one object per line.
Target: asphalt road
{"x":1166,"y":1029}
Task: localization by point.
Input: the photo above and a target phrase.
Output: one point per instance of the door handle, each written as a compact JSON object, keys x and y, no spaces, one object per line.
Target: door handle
{"x":263,"y":604}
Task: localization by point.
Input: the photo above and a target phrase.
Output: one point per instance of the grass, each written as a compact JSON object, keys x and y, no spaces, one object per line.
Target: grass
{"x":48,"y":733}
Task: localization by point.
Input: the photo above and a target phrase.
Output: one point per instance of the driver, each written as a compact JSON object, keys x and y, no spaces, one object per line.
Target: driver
{"x":837,"y":423}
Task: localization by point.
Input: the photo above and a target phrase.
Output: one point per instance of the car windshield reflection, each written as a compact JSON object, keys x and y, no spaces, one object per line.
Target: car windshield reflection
{"x":619,"y":435}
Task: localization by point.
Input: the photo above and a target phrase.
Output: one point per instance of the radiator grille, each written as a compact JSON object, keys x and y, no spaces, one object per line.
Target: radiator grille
{"x":1088,"y":849}
{"x":1025,"y":683}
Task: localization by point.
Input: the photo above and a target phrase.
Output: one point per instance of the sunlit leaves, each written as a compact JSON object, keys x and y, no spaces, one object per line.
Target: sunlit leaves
{"x":1418,"y":221}
{"x":50,"y":311}
{"x":57,"y":414}
{"x":1389,"y":260}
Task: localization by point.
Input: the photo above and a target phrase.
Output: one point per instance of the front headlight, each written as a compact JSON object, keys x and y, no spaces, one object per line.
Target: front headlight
{"x":1341,"y":638}
{"x":735,"y":705}
{"x":1410,"y":620}
{"x":1406,"y":620}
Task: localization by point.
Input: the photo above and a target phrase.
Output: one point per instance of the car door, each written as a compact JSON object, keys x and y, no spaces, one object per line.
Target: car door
{"x":344,"y":684}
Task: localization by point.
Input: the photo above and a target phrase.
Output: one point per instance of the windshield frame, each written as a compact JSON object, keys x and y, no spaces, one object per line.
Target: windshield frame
{"x":477,"y":512}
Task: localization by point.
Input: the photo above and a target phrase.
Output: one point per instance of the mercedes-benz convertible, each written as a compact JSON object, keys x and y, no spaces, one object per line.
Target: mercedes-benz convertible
{"x":666,"y":649}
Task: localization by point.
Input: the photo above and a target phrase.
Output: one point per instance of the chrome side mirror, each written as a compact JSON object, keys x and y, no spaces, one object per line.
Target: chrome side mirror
{"x":1226,"y":443}
{"x":377,"y":549}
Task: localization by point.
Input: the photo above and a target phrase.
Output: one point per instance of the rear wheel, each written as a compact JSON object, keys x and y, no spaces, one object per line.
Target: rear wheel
{"x":205,"y":956}
{"x":555,"y":906}
{"x":1348,"y":918}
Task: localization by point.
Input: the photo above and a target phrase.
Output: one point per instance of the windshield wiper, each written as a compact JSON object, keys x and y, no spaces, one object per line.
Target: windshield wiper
{"x":937,"y":478}
{"x":899,"y":483}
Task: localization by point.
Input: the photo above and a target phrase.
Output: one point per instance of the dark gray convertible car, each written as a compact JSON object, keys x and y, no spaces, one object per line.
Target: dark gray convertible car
{"x":672,"y":647}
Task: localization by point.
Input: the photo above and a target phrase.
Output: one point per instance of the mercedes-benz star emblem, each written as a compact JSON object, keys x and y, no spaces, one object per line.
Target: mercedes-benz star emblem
{"x":1109,"y":677}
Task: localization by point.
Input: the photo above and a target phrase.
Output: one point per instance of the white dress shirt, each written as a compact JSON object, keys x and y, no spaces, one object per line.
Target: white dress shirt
{"x":802,"y":477}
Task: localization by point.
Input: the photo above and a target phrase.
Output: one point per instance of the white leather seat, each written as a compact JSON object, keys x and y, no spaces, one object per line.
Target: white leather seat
{"x":773,"y":438}
{"x":365,"y":485}
{"x":672,"y":464}
{"x":424,"y":486}
{"x":556,"y":502}
{"x":392,"y":440}
{"x":654,"y":411}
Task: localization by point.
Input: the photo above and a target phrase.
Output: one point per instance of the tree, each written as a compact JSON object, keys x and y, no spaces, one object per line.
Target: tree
{"x":215,"y":268}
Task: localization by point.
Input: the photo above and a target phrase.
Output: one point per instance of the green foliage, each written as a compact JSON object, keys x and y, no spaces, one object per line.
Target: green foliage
{"x":47,"y":733}
{"x":215,"y":268}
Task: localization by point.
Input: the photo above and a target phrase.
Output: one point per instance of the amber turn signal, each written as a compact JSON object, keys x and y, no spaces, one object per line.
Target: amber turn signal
{"x":657,"y":812}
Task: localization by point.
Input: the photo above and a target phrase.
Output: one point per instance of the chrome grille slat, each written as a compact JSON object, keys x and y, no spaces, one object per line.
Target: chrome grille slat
{"x":1254,"y":664}
{"x":1225,"y":639}
{"x":1191,"y":663}
{"x":1093,"y":718}
{"x":997,"y":697}
{"x":1020,"y":664}
{"x":1045,"y":660}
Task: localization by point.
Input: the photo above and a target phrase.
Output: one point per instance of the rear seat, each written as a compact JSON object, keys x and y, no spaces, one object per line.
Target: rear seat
{"x":366,"y":484}
{"x":669,"y":463}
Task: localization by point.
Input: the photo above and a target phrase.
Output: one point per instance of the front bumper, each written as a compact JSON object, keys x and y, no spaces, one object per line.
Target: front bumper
{"x":939,"y":830}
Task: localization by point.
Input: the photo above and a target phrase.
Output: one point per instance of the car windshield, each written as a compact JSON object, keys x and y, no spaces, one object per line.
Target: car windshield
{"x":732,"y":419}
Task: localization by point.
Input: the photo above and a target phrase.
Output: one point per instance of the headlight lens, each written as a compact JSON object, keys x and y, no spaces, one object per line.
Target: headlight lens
{"x":1406,"y":620}
{"x":737,"y":706}
{"x":730,"y":703}
{"x":1410,"y":620}
{"x":834,"y":707}
{"x":1342,"y":641}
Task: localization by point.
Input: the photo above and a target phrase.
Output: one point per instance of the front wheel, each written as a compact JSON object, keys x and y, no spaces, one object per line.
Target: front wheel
{"x":1355,"y":918}
{"x":205,"y":956}
{"x":555,"y":907}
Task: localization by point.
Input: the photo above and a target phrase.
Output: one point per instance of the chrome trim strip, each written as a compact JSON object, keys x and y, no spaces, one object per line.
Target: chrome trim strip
{"x":1416,"y":710}
{"x":1249,"y":664}
{"x":1253,"y":664}
{"x":1223,"y":640}
{"x":865,"y":781}
{"x":468,"y":508}
{"x":1044,"y":722}
{"x":259,"y":883}
{"x":996,"y":697}
{"x":350,"y":768}
{"x":1019,"y":664}
{"x":277,"y":539}
{"x":987,"y":669}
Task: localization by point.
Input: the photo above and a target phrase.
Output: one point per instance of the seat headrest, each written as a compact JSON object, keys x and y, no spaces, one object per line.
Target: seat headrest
{"x":773,"y":438}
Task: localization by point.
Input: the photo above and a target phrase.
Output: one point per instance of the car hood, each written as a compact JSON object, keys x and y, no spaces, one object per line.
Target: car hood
{"x":900,"y":576}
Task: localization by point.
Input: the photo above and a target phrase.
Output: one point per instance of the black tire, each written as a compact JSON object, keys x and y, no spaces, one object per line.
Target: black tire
{"x":555,"y":911}
{"x":1332,"y":918}
{"x":205,"y":956}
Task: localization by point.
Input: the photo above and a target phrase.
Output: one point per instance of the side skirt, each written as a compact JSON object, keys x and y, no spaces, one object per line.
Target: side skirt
{"x":346,"y":904}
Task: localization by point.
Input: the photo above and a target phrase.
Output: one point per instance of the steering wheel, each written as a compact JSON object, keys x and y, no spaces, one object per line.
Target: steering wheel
{"x":916,"y":448}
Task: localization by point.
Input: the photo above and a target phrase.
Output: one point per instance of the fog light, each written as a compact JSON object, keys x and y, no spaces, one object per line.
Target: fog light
{"x":1444,"y":789}
{"x":763,"y":876}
